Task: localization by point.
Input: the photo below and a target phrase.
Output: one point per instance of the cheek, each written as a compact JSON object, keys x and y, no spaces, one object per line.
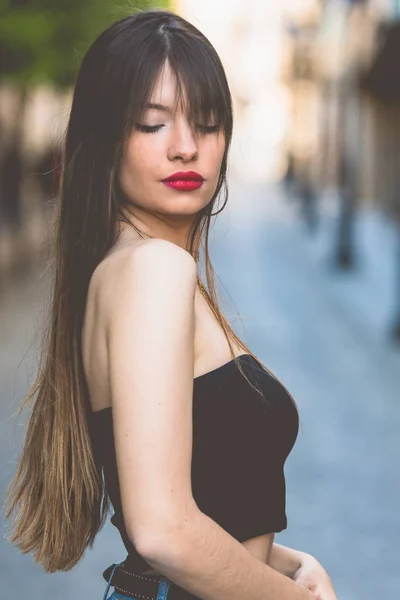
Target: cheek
{"x":216,"y":153}
{"x":140,"y":157}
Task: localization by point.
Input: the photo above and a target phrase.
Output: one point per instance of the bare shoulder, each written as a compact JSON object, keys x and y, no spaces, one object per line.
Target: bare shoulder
{"x":146,"y":253}
{"x":153,"y":270}
{"x":157,"y":255}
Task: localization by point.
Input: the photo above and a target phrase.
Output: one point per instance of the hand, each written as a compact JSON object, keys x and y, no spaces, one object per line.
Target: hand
{"x":313,"y":576}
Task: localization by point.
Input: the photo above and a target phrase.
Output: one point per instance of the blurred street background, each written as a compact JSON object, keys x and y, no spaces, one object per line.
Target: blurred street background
{"x":307,"y":251}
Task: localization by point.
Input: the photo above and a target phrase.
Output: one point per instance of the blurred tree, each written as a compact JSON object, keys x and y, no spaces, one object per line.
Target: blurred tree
{"x":43,"y":41}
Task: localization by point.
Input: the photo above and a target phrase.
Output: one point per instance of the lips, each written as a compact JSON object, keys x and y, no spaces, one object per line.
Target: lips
{"x":184,"y":176}
{"x":183,"y":185}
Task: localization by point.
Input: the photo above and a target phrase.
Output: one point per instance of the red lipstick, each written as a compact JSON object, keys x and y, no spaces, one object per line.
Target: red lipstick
{"x":184,"y":181}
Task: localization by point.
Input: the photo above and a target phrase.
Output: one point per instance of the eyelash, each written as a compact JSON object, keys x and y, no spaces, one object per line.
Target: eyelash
{"x":155,"y":128}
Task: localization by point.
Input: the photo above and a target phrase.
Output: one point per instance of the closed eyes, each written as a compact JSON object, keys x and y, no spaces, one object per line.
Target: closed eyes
{"x":155,"y":128}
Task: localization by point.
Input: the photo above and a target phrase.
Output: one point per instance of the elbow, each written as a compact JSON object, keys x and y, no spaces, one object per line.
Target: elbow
{"x":162,"y":546}
{"x":160,"y":550}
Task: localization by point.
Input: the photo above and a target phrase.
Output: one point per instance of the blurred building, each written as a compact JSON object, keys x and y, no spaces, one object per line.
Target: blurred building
{"x":341,"y":70}
{"x":31,"y":131}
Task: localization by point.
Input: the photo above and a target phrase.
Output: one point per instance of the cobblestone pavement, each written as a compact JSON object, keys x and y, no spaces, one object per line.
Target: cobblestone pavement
{"x":343,"y":490}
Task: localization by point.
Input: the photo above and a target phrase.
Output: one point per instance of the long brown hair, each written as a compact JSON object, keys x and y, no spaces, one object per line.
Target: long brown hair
{"x":58,"y":491}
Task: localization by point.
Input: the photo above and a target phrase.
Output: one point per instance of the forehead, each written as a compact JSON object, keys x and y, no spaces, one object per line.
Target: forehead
{"x":166,"y":91}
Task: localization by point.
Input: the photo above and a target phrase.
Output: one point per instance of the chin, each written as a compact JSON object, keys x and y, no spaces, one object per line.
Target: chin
{"x":184,"y":204}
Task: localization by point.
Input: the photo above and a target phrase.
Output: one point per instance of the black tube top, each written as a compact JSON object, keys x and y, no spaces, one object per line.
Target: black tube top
{"x":240,"y":444}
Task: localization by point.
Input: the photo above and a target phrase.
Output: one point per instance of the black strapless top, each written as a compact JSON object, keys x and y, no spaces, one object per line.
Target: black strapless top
{"x":240,"y":444}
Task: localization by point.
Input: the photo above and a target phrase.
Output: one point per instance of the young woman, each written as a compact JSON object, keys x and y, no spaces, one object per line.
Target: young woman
{"x":145,"y":397}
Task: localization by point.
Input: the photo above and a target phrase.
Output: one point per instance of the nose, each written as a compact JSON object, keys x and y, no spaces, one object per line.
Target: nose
{"x":183,"y":143}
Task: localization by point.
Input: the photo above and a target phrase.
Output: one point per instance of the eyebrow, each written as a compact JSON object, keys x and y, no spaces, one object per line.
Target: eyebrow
{"x":157,"y":107}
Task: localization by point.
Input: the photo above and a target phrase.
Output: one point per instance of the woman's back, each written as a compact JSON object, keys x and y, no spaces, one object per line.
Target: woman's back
{"x":210,"y":346}
{"x":259,"y":523}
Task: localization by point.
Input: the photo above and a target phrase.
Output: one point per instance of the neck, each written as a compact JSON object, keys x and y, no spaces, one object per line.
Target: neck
{"x":144,"y":224}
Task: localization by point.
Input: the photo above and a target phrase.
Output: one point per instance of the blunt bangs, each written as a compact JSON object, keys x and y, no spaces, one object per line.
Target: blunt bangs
{"x":201,"y":85}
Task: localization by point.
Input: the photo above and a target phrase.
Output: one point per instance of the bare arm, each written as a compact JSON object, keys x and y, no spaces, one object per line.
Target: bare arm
{"x":208,"y":562}
{"x":150,"y":340}
{"x":286,"y":560}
